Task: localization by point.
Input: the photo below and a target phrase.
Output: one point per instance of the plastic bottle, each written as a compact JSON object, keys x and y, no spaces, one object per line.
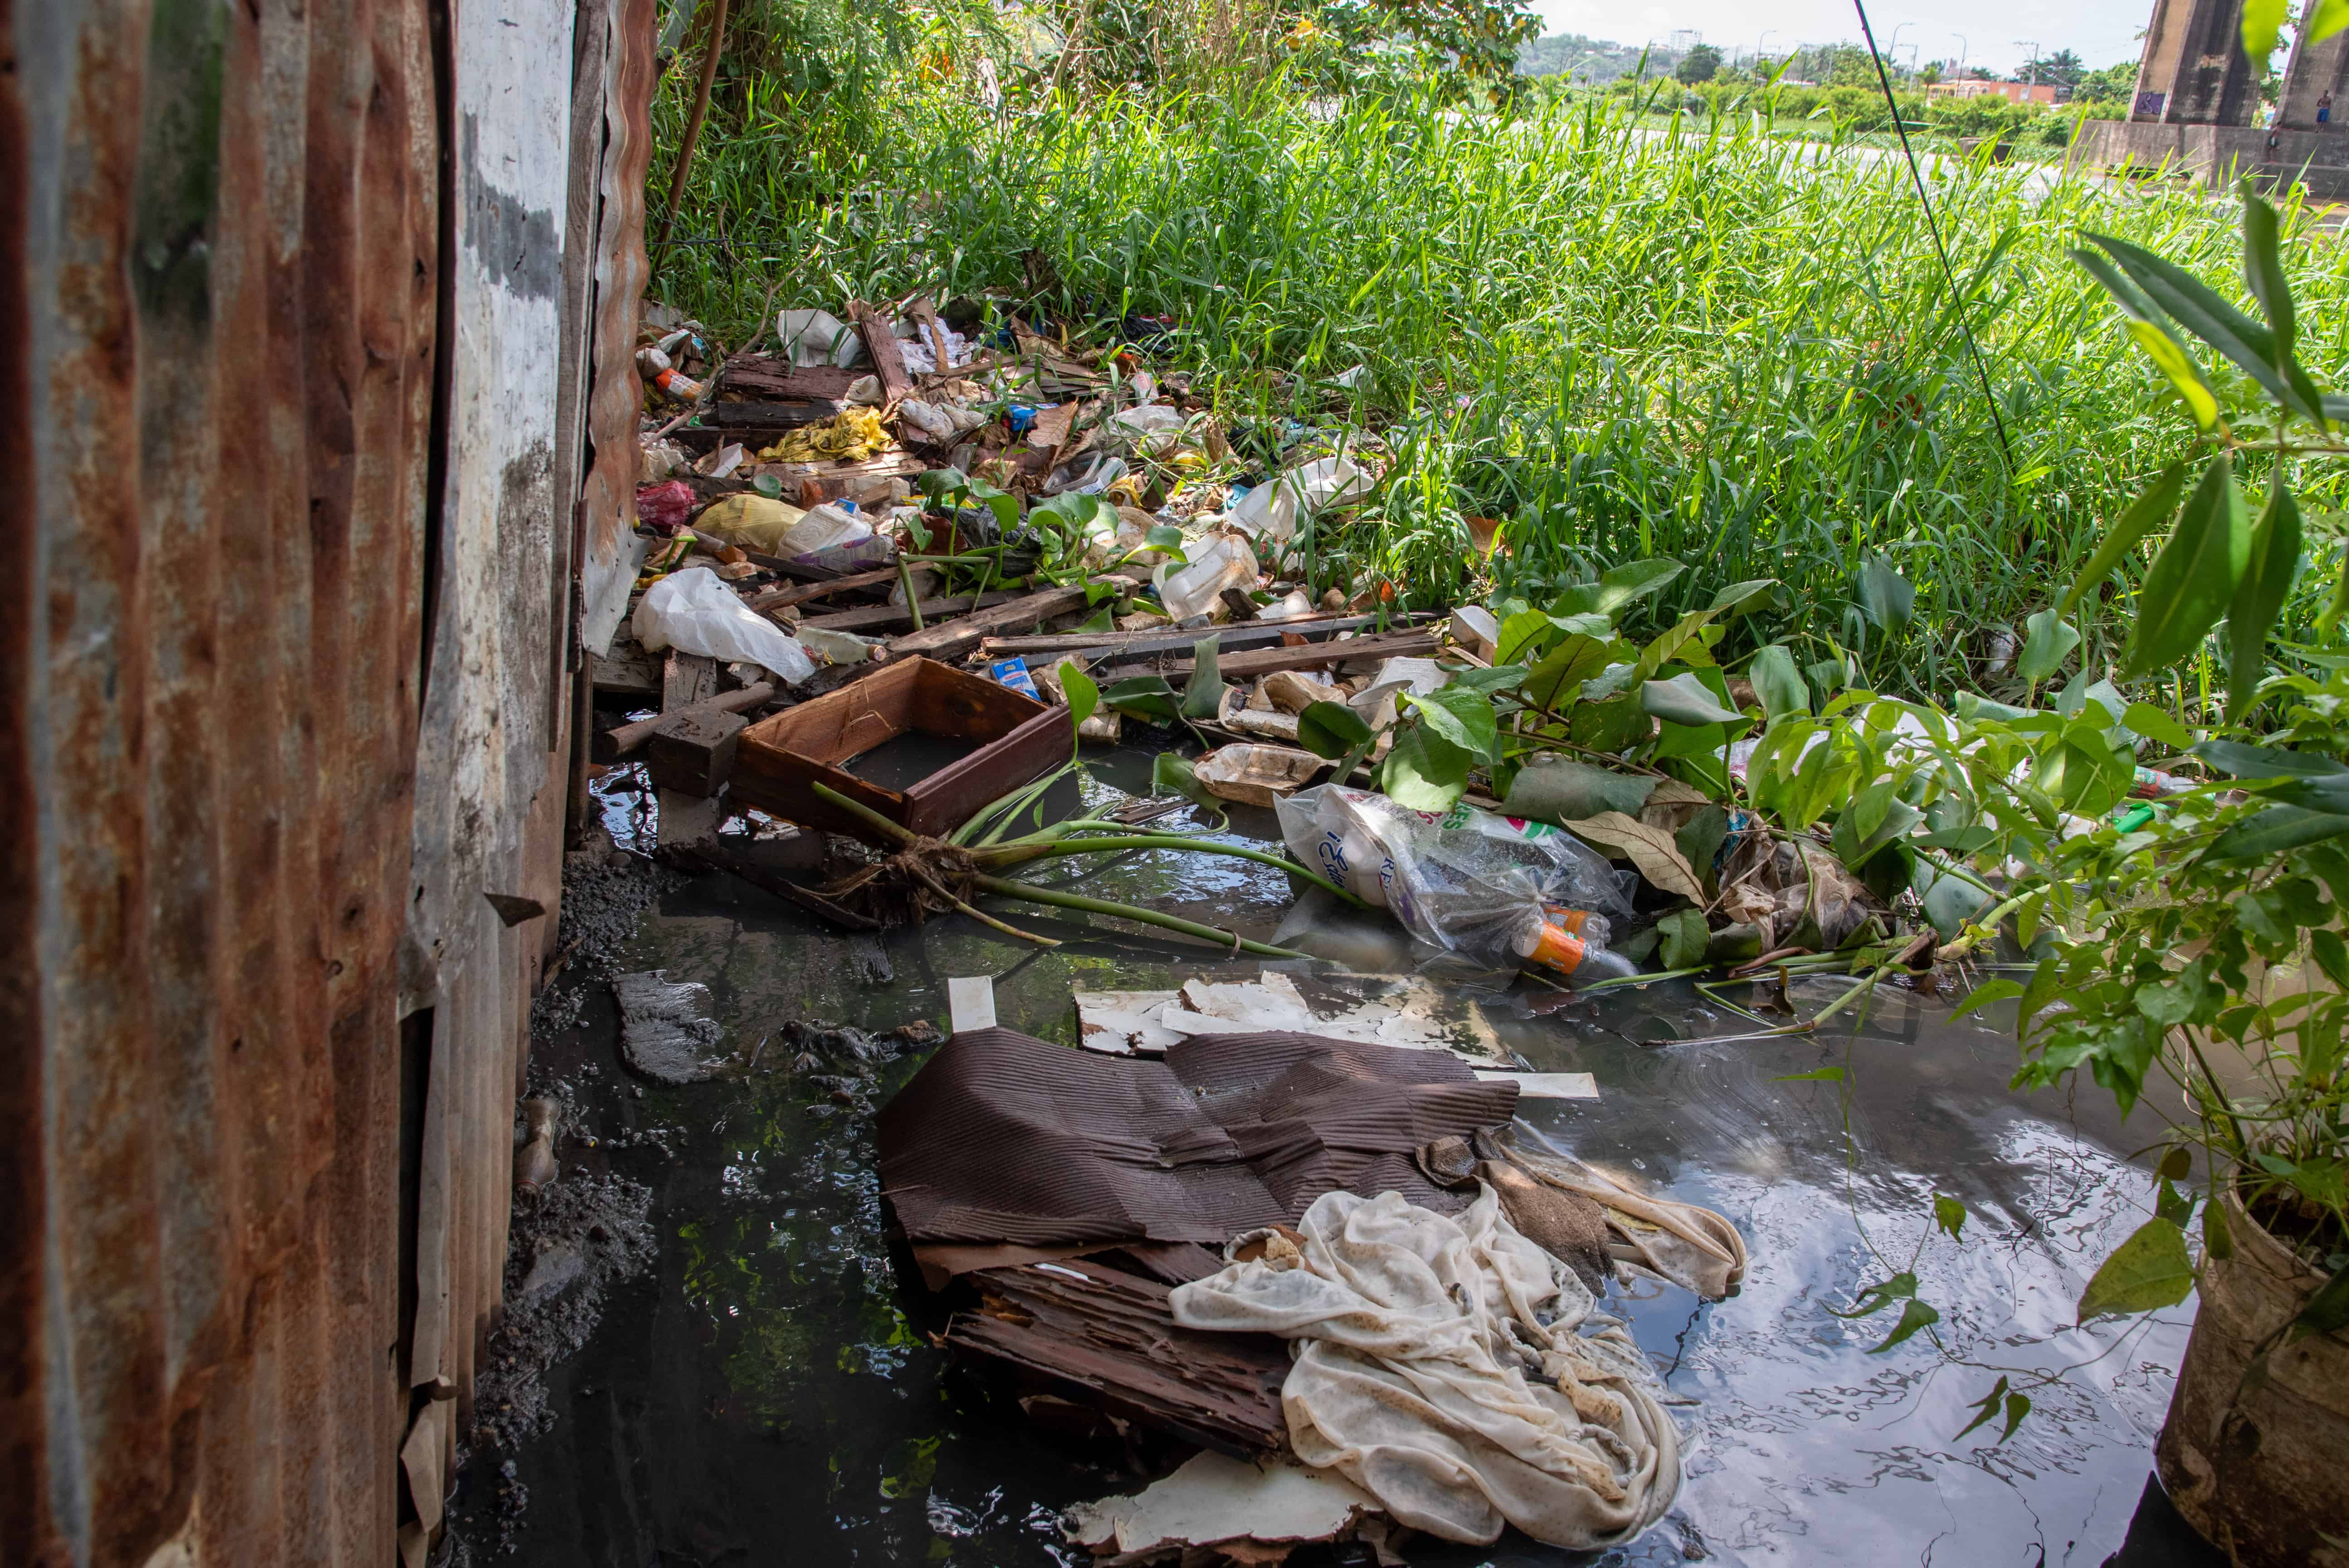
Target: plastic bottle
{"x":1217,"y":562}
{"x":1497,"y":890}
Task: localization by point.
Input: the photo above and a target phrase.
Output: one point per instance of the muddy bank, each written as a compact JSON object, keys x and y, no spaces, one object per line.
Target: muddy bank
{"x":764,"y":1391}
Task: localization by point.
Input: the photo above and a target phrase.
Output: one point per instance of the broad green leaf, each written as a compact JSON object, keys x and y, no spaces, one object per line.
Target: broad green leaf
{"x":2018,"y":1406}
{"x":1914,"y":1314}
{"x":2215,"y":1240}
{"x":1671,"y":644}
{"x":1165,"y":536}
{"x":1685,"y":699}
{"x":1950,"y":1215}
{"x":1171,"y":775}
{"x":1822,"y":1076}
{"x":1614,"y":589}
{"x":1462,"y":717}
{"x":1146,"y":697}
{"x":2263,"y":22}
{"x":1996,"y":989}
{"x":2324,"y":18}
{"x":2146,"y":513}
{"x":2259,"y":595}
{"x":1332,"y":729}
{"x":1484,"y":682}
{"x":2194,"y":574}
{"x":1740,"y":594}
{"x":2171,"y":1204}
{"x":1083,"y":695}
{"x":1778,"y":683}
{"x":2157,"y":725}
{"x":2275,"y":830}
{"x":1563,"y":790}
{"x":1423,"y":772}
{"x":2329,"y":794}
{"x":1685,"y":937}
{"x":1203,"y":695}
{"x":1609,"y":726}
{"x":2149,"y":1270}
{"x":1525,"y":632}
{"x":2050,"y":641}
{"x":1873,"y":1298}
{"x":1558,"y":680}
{"x":2184,"y":374}
{"x":2197,"y":307}
{"x":2237,"y":760}
{"x":2252,"y":763}
{"x":2327,"y":1310}
{"x":2262,"y":255}
{"x":2150,"y":331}
{"x":2176,"y":1166}
{"x":1886,"y":598}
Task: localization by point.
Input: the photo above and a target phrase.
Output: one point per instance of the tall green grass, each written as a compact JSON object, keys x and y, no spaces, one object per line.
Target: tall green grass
{"x":1622,"y":340}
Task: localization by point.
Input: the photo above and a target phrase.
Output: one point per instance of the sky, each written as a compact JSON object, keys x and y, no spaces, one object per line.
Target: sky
{"x":1998,"y":33}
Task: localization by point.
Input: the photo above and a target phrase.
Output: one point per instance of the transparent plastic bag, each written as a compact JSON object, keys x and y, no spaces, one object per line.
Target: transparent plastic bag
{"x":1466,"y":880}
{"x":693,"y":612}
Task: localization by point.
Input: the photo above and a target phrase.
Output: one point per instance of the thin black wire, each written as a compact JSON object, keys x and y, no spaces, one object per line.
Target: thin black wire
{"x":1957,"y":300}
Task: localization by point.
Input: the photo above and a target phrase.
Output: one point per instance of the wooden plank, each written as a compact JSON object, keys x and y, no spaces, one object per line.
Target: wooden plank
{"x":774,"y":599}
{"x":957,"y":638}
{"x":1312,"y":656}
{"x":744,"y":418}
{"x":613,"y":744}
{"x":866,"y":617}
{"x":881,"y":343}
{"x":626,"y":671}
{"x":746,"y":863}
{"x":773,"y":376}
{"x":688,"y":679}
{"x":1120,"y":645}
{"x":1108,"y":1339}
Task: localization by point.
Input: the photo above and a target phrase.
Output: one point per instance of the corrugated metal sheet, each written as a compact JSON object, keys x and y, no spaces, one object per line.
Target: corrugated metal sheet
{"x":281,"y":656}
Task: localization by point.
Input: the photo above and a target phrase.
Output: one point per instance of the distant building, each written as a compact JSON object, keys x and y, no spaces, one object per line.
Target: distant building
{"x":2013,"y":92}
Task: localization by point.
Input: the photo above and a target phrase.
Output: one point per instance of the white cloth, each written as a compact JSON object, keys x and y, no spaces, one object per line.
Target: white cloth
{"x":1424,"y":1374}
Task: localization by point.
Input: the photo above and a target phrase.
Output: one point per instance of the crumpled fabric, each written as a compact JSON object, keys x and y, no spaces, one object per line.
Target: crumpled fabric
{"x":1425,"y":1373}
{"x":852,"y":435}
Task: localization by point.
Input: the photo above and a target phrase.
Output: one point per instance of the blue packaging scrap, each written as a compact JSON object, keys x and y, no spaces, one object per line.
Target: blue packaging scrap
{"x":1013,"y":673}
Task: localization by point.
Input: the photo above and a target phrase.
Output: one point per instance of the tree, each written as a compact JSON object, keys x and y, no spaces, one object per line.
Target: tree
{"x":1701,"y":63}
{"x":1931,"y":73}
{"x":2064,"y":68}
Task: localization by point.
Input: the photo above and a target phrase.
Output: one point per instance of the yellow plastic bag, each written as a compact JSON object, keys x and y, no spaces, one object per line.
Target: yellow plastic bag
{"x":854,"y":435}
{"x":753,"y":522}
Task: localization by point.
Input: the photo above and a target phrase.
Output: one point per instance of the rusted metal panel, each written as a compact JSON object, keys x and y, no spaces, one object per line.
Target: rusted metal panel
{"x":232,"y":754}
{"x":612,"y":551}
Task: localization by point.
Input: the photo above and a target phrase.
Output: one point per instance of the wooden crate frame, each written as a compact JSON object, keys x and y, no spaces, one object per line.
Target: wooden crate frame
{"x":1018,"y":739}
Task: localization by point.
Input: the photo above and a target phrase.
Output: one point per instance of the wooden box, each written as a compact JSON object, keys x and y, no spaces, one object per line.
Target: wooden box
{"x":1018,"y":740}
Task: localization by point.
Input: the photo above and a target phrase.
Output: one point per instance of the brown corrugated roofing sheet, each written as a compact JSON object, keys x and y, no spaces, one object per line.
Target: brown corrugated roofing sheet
{"x":1004,"y":1138}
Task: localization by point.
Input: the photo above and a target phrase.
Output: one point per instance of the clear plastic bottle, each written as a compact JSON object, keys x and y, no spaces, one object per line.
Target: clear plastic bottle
{"x":1497,"y":890}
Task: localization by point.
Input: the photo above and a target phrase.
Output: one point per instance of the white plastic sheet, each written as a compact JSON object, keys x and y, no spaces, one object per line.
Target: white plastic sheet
{"x":819,"y":337}
{"x":693,"y":612}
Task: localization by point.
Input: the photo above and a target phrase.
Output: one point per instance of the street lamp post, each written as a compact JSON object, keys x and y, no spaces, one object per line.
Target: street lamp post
{"x":1958,"y":75}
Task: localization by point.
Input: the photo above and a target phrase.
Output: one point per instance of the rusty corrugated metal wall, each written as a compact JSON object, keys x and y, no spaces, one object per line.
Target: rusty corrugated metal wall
{"x":284,"y":658}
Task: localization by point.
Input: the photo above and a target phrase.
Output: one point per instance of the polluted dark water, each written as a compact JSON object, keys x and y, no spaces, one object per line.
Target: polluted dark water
{"x":766,"y":1392}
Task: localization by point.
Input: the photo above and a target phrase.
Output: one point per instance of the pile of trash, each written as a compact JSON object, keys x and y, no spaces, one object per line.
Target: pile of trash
{"x":1341,"y":1267}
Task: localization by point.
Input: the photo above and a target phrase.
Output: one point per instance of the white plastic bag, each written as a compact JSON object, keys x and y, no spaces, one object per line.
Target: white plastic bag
{"x":1276,"y":507}
{"x":693,"y":612}
{"x":819,"y":337}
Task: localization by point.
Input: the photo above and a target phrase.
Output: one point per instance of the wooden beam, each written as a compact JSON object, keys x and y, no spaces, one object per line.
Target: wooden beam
{"x":688,"y":679}
{"x":613,"y":744}
{"x":1115,"y":646}
{"x":957,"y":638}
{"x":866,"y":617}
{"x":774,"y":599}
{"x":881,"y":343}
{"x":1312,"y":656}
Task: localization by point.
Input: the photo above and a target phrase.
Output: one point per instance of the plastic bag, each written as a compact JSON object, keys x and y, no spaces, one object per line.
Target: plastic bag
{"x":1467,"y":881}
{"x":693,"y":612}
{"x":1276,"y":508}
{"x":753,"y":522}
{"x":666,"y":507}
{"x":819,"y":337}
